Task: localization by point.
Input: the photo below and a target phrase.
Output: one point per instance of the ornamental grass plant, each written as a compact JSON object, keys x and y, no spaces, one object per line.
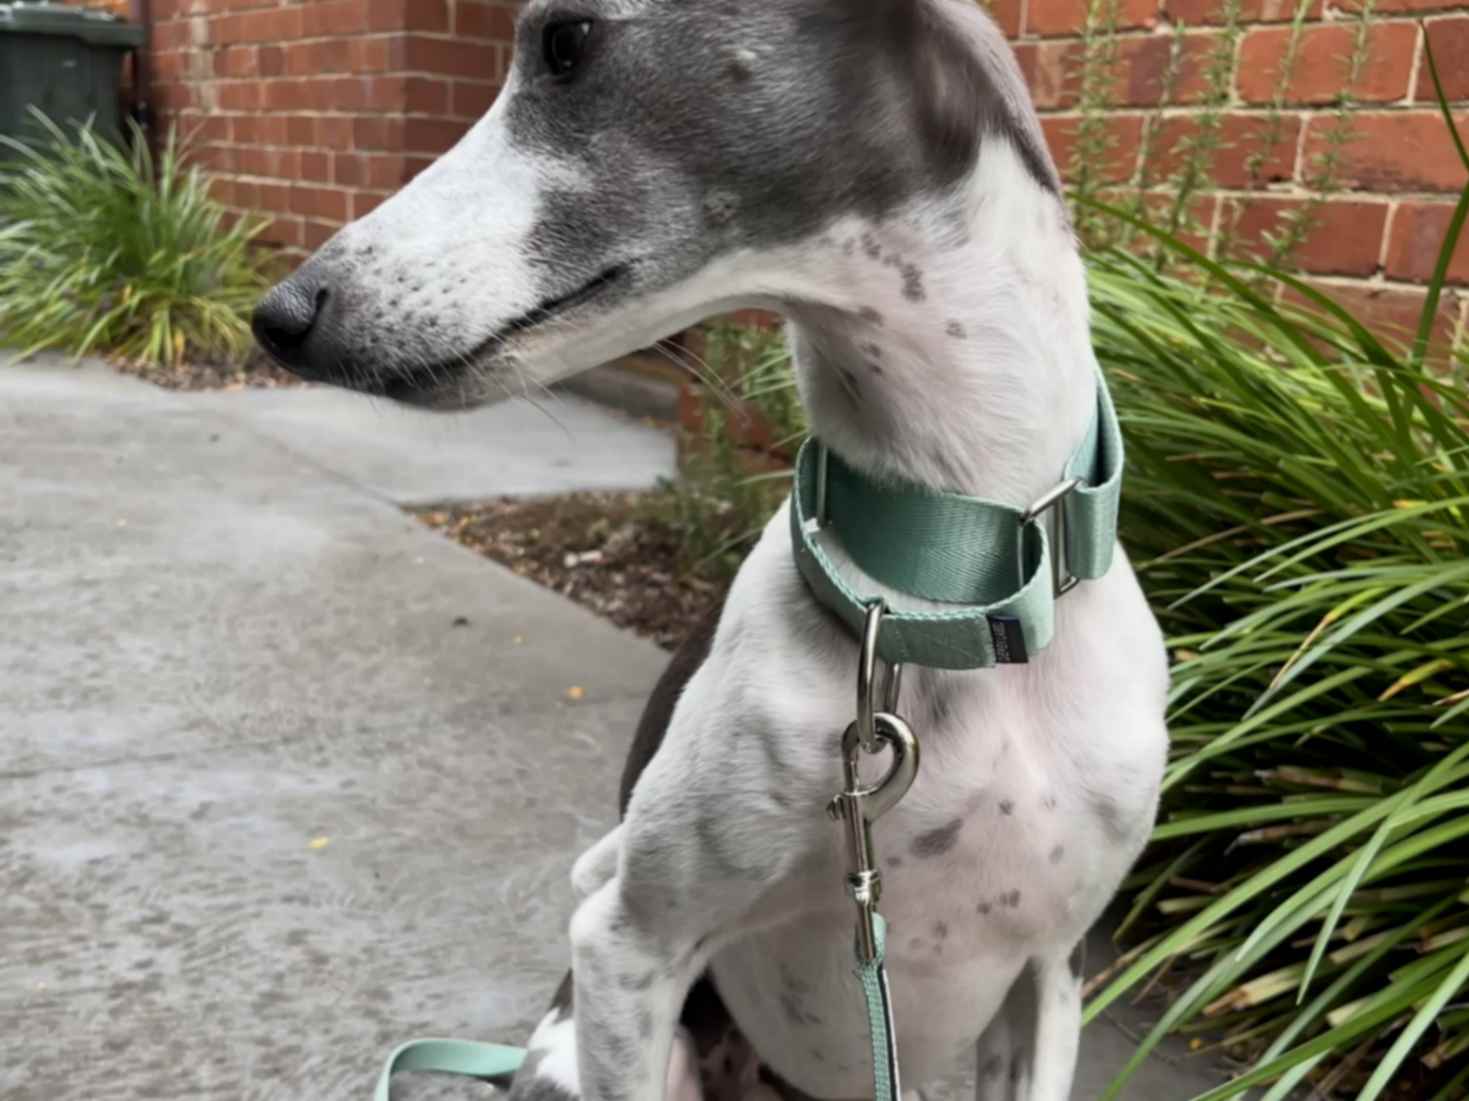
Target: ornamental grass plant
{"x":112,"y":250}
{"x":1298,"y":511}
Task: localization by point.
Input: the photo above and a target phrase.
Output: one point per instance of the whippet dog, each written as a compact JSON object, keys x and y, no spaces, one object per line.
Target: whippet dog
{"x":874,"y":171}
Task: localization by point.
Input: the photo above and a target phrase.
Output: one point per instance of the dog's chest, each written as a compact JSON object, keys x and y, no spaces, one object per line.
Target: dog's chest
{"x":999,"y":854}
{"x":996,"y":846}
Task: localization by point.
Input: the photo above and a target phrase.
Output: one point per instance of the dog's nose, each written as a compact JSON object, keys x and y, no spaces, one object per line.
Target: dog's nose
{"x":286,"y":318}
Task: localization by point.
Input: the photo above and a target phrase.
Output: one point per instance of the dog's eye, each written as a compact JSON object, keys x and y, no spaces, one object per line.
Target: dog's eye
{"x":564,"y":44}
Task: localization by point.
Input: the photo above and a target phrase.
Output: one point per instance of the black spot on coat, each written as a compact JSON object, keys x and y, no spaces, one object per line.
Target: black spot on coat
{"x":936,"y":842}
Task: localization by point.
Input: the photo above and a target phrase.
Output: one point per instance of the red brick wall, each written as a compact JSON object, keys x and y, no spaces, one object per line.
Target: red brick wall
{"x":1375,"y":237}
{"x":313,"y":111}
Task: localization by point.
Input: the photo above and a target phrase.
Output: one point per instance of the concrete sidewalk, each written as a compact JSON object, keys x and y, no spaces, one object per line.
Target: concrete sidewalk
{"x":286,"y":777}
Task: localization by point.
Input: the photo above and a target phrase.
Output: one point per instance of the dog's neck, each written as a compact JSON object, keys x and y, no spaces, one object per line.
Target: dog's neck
{"x":950,"y":347}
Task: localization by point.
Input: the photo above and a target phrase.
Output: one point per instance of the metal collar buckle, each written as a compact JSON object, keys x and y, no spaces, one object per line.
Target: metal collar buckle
{"x":819,"y":517}
{"x":1054,"y":505}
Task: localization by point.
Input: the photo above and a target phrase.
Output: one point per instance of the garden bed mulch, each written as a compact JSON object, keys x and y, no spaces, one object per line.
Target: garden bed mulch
{"x":607,"y":551}
{"x":255,"y":372}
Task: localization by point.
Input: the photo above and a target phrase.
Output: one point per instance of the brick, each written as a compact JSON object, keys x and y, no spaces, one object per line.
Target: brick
{"x":316,"y":166}
{"x":1241,"y":137}
{"x":426,"y":15}
{"x":1142,"y":66}
{"x":215,"y":129}
{"x":275,"y":198}
{"x":446,"y":57}
{"x":365,"y":202}
{"x":1068,"y":17}
{"x":347,"y":93}
{"x":385,"y":172}
{"x":472,"y":99}
{"x":244,"y":129}
{"x":334,"y":132}
{"x":1449,"y":39}
{"x":1392,"y":314}
{"x":1321,"y":64}
{"x":1123,"y":134}
{"x":424,"y":96}
{"x":372,"y":55}
{"x":1419,"y":231}
{"x":274,"y":130}
{"x":1344,"y":238}
{"x":283,"y":231}
{"x":378,"y":134}
{"x":349,"y":170}
{"x":1194,"y":13}
{"x":333,"y":17}
{"x":300,"y":130}
{"x":412,"y":166}
{"x":429,"y":135}
{"x":238,"y":61}
{"x":476,"y":19}
{"x":325,"y":203}
{"x":241,"y":96}
{"x":1052,"y":70}
{"x":1384,"y":7}
{"x":1005,"y":13}
{"x":316,"y":234}
{"x":1394,"y":151}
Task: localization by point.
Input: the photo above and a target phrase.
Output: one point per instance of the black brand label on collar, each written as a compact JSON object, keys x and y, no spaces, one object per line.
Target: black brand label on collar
{"x":1009,"y":640}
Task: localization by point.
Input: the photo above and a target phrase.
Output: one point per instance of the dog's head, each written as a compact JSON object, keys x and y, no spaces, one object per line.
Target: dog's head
{"x":647,"y":163}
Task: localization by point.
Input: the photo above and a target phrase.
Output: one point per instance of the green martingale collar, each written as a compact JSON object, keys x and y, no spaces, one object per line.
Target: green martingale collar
{"x":997,"y":566}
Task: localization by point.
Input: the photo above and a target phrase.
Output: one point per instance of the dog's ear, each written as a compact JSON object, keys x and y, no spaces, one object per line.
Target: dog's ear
{"x":946,"y":80}
{"x":963,"y":90}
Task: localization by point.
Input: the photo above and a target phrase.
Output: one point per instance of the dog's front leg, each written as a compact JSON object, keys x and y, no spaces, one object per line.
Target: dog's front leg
{"x":1058,"y":1023}
{"x":633,"y":970}
{"x":1028,"y":1052}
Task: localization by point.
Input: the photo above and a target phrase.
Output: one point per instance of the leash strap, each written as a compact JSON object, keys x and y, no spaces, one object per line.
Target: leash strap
{"x":458,"y":1057}
{"x":998,"y":566}
{"x":886,"y":1082}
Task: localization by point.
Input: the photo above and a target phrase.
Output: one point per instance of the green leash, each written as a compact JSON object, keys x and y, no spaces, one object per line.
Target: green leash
{"x":886,"y":1084}
{"x":486,"y":1062}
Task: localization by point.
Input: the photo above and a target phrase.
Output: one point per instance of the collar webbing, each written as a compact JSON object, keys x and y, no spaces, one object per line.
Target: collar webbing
{"x":993,"y":563}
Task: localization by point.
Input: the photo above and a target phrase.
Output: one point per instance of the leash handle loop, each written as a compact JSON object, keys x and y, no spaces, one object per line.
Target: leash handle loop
{"x":486,"y":1062}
